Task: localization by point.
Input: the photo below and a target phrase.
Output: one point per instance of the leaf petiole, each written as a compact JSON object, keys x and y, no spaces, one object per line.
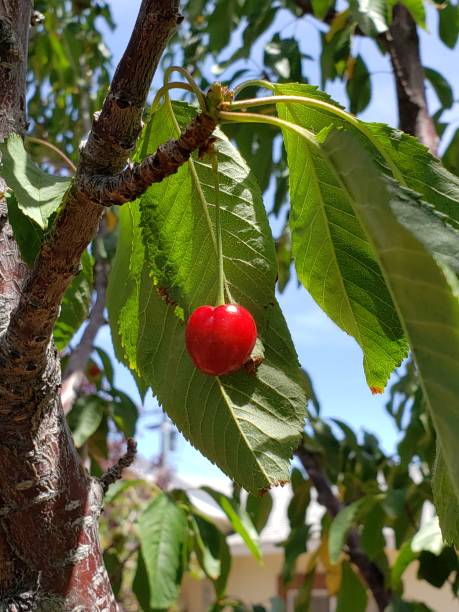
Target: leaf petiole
{"x":336,"y":110}
{"x":163,"y":92}
{"x":276,"y":121}
{"x":191,"y":82}
{"x":252,"y":83}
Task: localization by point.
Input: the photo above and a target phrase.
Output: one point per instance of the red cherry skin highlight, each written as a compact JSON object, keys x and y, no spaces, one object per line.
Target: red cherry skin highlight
{"x":219,"y":339}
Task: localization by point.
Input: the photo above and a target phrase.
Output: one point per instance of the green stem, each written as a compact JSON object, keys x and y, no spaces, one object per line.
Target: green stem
{"x":164,"y":91}
{"x":218,"y":231}
{"x":170,"y":108}
{"x":331,"y":108}
{"x":276,"y":121}
{"x":61,"y":154}
{"x":216,"y":239}
{"x":192,"y":83}
{"x":253,"y":83}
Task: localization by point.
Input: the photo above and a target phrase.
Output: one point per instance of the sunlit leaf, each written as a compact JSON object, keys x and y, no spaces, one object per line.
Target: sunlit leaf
{"x":240,"y":520}
{"x":248,"y":424}
{"x":334,"y":258}
{"x":426,"y":293}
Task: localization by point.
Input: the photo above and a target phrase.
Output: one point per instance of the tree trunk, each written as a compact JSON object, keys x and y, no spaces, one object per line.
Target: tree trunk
{"x":50,"y":558}
{"x":403,"y":44}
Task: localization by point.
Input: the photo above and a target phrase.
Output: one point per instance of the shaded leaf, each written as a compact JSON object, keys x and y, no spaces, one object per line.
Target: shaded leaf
{"x":124,"y":413}
{"x":27,"y":233}
{"x":283,"y":56}
{"x":358,"y":86}
{"x":448,"y":24}
{"x":300,"y":499}
{"x":373,"y":540}
{"x":212,"y":552}
{"x":85,"y":417}
{"x":220,"y":24}
{"x":295,"y":546}
{"x":75,"y":304}
{"x":430,"y":317}
{"x":259,"y":508}
{"x":321,"y":7}
{"x":162,"y":532}
{"x":248,"y":424}
{"x":38,"y":194}
{"x":451,"y":156}
{"x":441,"y":86}
{"x":352,"y":595}
{"x":114,"y":569}
{"x":435,"y":569}
{"x":106,"y":364}
{"x":446,"y":505}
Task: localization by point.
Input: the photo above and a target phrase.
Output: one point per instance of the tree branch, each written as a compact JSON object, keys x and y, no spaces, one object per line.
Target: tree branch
{"x":112,"y":137}
{"x":116,"y":128}
{"x":116,"y":471}
{"x":134,"y":180}
{"x":49,"y":506}
{"x":402,"y":42}
{"x":14,"y":25}
{"x":369,"y":571}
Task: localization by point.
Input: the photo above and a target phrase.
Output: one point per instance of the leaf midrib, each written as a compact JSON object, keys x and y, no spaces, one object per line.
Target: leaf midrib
{"x":324,"y":214}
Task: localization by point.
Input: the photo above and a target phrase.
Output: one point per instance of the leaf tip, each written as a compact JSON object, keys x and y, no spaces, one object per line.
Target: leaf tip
{"x":377,"y":390}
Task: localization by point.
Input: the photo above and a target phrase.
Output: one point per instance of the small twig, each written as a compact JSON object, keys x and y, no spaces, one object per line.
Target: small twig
{"x":115,"y":472}
{"x":44,"y":143}
{"x":133,"y":181}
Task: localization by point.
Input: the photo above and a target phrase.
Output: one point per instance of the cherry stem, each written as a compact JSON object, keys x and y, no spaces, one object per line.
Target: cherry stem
{"x":217,"y":238}
{"x":218,"y":229}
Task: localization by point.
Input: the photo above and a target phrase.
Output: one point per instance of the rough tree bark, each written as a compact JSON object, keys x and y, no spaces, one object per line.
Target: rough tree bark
{"x":402,"y":42}
{"x":50,"y":557}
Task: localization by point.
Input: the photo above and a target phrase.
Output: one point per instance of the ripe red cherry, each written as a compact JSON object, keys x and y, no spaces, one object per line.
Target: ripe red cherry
{"x":220,"y":339}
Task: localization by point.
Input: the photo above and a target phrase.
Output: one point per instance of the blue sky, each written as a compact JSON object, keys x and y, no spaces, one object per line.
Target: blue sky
{"x":332,"y":358}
